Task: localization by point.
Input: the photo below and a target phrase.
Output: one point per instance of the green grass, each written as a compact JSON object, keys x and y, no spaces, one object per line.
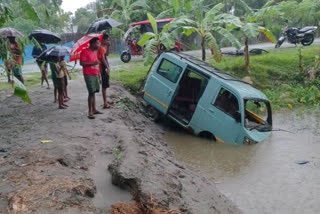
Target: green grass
{"x":277,"y":75}
{"x":131,"y":76}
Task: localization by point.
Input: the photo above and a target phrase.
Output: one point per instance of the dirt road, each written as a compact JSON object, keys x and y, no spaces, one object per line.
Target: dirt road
{"x":63,"y":175}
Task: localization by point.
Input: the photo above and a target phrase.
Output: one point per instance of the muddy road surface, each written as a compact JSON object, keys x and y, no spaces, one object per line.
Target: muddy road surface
{"x":280,"y":175}
{"x":84,"y":166}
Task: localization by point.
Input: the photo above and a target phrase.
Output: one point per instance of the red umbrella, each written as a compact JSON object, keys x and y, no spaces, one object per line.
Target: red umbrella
{"x":82,"y":44}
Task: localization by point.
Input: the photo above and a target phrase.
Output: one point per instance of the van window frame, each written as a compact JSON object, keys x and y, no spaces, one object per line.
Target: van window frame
{"x":158,"y":69}
{"x":216,"y":97}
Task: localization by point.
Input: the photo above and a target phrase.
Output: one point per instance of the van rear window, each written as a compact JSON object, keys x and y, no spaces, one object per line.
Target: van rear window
{"x":169,"y":70}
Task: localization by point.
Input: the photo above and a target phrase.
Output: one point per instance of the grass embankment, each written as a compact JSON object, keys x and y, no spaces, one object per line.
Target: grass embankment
{"x":131,"y":75}
{"x":276,"y":74}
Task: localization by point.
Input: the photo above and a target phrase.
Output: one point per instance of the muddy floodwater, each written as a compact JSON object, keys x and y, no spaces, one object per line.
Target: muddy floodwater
{"x":262,"y":178}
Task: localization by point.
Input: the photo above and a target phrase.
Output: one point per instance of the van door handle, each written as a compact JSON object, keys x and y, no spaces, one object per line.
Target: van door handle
{"x":169,"y":93}
{"x":211,"y":110}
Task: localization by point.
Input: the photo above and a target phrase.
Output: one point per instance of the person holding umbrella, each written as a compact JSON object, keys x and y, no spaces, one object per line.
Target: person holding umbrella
{"x":89,"y":62}
{"x":43,"y":37}
{"x":43,"y":65}
{"x":17,"y":58}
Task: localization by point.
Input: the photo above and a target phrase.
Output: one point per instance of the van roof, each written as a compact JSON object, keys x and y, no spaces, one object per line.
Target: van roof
{"x":244,"y":89}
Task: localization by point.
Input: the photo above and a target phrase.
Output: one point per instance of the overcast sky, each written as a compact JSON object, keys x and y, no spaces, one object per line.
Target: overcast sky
{"x":72,"y":5}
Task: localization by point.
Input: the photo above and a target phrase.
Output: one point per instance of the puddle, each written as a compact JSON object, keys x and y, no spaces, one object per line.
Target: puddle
{"x":262,"y":178}
{"x":107,"y":194}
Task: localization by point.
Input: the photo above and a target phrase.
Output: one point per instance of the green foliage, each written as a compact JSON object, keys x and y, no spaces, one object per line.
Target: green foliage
{"x":127,"y":11}
{"x":83,"y":19}
{"x":131,"y":78}
{"x":277,"y":75}
{"x":21,"y":91}
{"x":154,"y":41}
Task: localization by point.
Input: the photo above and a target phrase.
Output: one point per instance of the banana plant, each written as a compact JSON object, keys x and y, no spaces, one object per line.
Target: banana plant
{"x":154,"y":42}
{"x":175,"y":8}
{"x":207,"y":24}
{"x":124,"y":10}
{"x":251,"y":27}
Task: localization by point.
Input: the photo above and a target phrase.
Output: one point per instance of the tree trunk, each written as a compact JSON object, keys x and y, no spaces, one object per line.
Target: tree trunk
{"x":300,"y":59}
{"x":203,"y":47}
{"x":246,"y":55}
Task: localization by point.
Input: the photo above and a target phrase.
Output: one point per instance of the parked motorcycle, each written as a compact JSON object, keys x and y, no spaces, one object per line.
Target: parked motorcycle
{"x":305,"y":35}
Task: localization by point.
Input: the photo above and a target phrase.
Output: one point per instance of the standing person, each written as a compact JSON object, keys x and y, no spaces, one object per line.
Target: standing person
{"x":104,"y":68}
{"x":36,"y":51}
{"x":63,"y":66}
{"x":59,"y":81}
{"x":17,"y":58}
{"x":54,"y":71}
{"x":89,"y":62}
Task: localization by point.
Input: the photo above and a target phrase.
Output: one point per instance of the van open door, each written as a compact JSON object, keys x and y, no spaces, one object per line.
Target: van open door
{"x":162,"y":83}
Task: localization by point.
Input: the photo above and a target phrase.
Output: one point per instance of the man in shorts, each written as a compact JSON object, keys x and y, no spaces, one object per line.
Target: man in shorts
{"x":90,"y":64}
{"x":104,"y":68}
{"x":36,"y":51}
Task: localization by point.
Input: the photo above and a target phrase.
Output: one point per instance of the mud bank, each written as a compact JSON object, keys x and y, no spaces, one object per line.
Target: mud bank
{"x":59,"y":176}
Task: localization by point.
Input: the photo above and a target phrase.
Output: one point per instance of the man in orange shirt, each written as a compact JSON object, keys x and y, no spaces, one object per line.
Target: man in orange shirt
{"x":89,"y":62}
{"x":104,"y":68}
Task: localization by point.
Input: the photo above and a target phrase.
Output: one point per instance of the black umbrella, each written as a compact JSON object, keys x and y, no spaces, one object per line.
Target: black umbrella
{"x":44,"y":36}
{"x":10,"y":32}
{"x":103,"y":25}
{"x":55,"y":51}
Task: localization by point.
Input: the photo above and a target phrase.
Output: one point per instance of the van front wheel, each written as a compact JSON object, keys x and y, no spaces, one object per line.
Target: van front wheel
{"x":153,"y":113}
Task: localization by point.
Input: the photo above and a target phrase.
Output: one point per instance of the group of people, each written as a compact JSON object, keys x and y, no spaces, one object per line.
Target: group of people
{"x":96,"y":71}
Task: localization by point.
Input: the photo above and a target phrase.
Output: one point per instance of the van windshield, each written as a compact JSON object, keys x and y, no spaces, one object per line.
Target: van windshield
{"x":258,"y":115}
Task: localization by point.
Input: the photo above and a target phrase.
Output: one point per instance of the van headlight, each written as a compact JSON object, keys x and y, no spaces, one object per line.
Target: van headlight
{"x":248,"y":141}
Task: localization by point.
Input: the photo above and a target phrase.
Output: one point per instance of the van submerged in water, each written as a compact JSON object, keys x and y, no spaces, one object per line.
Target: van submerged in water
{"x":206,"y":101}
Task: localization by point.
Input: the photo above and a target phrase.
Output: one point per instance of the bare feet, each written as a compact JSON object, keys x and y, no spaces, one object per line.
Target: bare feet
{"x":107,"y":106}
{"x":65,"y":105}
{"x":91,"y":117}
{"x":62,"y":107}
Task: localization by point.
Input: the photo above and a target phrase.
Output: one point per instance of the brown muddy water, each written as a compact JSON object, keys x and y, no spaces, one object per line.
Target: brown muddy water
{"x":262,"y":178}
{"x":107,"y":194}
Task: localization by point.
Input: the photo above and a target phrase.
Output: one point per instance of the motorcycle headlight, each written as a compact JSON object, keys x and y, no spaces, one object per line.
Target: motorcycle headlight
{"x":248,"y":141}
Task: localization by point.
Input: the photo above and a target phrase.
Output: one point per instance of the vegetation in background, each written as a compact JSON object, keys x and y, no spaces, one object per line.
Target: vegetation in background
{"x":278,"y":75}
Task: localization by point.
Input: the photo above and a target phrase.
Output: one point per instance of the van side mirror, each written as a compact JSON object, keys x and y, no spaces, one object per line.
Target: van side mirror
{"x":237,"y":116}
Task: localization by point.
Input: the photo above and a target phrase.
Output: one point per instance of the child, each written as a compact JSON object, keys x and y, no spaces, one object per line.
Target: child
{"x":59,"y":81}
{"x":63,"y":67}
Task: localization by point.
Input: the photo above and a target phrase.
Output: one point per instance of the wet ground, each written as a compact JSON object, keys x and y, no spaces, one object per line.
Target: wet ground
{"x":263,"y":178}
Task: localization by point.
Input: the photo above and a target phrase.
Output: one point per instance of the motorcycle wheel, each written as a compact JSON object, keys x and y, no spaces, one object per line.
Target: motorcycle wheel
{"x":308,"y":40}
{"x":125,"y":57}
{"x":278,"y":44}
